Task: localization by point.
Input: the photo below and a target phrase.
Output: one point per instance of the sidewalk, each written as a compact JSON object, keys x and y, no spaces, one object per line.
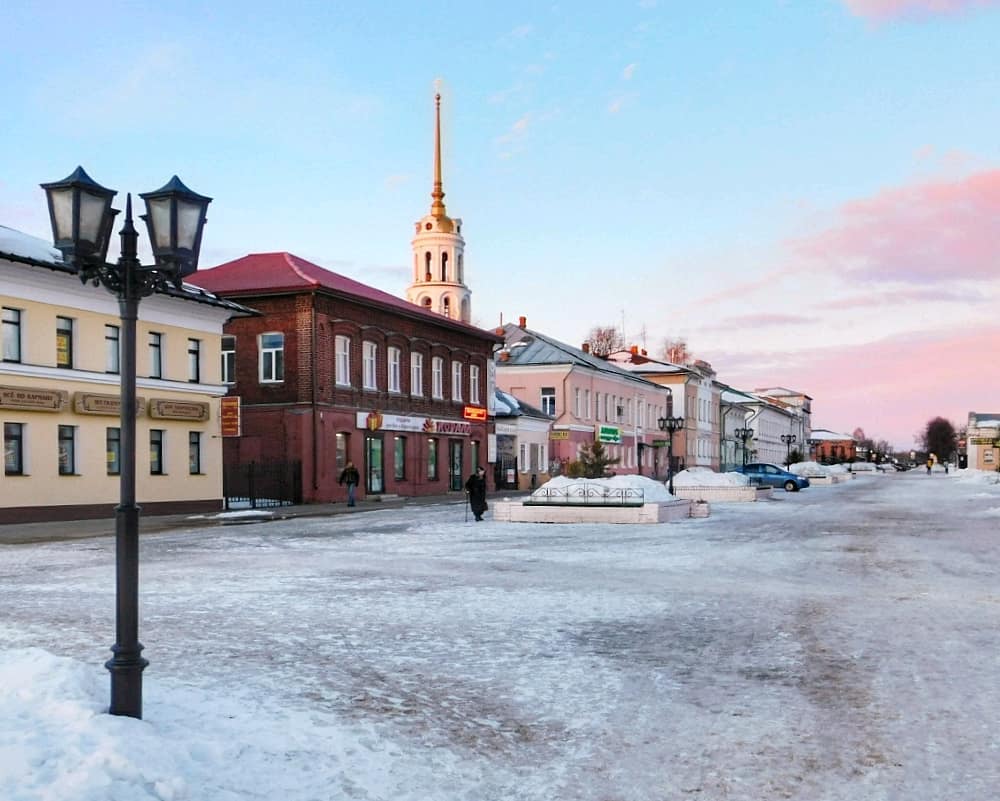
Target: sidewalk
{"x":23,"y":533}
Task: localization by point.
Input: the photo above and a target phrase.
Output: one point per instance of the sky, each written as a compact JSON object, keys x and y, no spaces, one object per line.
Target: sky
{"x":807,"y":192}
{"x":839,"y":643}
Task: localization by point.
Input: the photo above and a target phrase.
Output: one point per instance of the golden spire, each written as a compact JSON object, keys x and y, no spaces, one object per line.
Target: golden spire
{"x":437,"y":194}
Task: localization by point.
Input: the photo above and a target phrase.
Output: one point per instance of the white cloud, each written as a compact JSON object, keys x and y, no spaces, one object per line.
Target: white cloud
{"x":629,"y":71}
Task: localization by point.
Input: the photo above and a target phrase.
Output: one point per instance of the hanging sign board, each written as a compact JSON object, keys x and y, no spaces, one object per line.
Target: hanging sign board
{"x":230,"y":416}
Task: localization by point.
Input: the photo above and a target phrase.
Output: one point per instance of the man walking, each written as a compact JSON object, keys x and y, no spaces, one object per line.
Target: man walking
{"x":351,"y":477}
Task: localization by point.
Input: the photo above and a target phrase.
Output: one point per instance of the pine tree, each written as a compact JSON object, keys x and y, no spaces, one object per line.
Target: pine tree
{"x":592,"y":462}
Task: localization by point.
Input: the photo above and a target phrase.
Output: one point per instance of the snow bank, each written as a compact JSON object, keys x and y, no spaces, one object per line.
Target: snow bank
{"x":652,"y":491}
{"x":984,"y":477}
{"x":810,"y":469}
{"x":30,"y":247}
{"x":706,"y":477}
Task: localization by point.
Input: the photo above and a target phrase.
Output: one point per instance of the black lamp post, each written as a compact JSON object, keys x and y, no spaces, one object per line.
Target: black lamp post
{"x":788,"y":439}
{"x":670,"y":425}
{"x":82,"y":217}
{"x":744,"y":435}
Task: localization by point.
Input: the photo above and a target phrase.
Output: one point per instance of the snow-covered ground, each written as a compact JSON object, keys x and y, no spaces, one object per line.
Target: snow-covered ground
{"x":821,"y":646}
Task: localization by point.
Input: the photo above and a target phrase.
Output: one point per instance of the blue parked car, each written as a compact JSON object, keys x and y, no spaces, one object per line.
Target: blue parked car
{"x":770,"y":475}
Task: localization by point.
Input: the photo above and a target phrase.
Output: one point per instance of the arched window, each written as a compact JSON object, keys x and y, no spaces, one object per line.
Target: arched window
{"x":427,"y":303}
{"x":446,"y":306}
{"x":427,"y":266}
{"x":444,"y":266}
{"x":461,"y":269}
{"x":465,"y":310}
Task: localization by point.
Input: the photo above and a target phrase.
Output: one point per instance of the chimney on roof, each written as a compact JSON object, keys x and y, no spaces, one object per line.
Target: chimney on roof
{"x":585,"y":347}
{"x":644,"y":352}
{"x":522,"y":322}
{"x":498,"y":331}
{"x":634,"y":350}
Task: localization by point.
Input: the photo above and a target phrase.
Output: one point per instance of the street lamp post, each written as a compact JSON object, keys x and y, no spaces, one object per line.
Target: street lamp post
{"x":788,"y":439}
{"x":744,"y":435}
{"x":670,"y":425}
{"x":82,"y":217}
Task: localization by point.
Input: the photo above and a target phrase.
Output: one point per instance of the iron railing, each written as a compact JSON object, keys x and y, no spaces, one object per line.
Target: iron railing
{"x":582,"y":494}
{"x":262,"y":485}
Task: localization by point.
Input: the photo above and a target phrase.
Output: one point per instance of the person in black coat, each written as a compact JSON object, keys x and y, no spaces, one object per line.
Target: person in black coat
{"x":475,"y":487}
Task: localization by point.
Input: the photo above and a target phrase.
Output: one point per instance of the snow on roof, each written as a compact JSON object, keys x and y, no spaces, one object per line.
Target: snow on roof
{"x":509,"y":406}
{"x":827,"y":435}
{"x":20,"y":244}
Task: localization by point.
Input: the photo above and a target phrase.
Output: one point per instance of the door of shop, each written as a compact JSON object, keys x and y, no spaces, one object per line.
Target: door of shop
{"x":374,"y":464}
{"x":455,"y":475}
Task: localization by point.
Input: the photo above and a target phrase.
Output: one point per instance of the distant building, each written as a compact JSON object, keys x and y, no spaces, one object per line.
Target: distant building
{"x":982,"y":438}
{"x":590,"y":398}
{"x":60,"y":396}
{"x":830,"y":446}
{"x":522,"y":443}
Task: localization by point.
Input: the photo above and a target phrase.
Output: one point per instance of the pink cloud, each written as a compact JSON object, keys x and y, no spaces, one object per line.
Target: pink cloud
{"x":895,"y":298}
{"x":891,"y":388}
{"x":763,"y":320}
{"x":881,"y":10}
{"x":916,"y":234}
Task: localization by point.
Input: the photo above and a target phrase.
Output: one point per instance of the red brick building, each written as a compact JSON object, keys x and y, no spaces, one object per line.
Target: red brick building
{"x":335,"y":370}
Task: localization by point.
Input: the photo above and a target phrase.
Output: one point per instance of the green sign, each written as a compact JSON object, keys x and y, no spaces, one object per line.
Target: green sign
{"x":609,"y":434}
{"x":660,"y":443}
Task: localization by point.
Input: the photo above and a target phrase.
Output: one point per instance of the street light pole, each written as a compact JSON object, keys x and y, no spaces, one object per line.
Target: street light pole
{"x":82,"y":217}
{"x":744,"y":435}
{"x":670,"y":425}
{"x":788,"y":439}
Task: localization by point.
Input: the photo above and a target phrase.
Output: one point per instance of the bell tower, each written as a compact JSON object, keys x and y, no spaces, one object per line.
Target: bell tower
{"x":439,"y":250}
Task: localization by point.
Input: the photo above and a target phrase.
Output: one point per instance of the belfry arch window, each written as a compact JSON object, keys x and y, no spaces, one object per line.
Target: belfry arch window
{"x":427,"y":266}
{"x":427,"y":303}
{"x":446,"y":306}
{"x":461,"y":269}
{"x":444,"y":266}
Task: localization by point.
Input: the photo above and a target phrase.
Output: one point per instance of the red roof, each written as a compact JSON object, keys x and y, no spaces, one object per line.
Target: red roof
{"x":264,"y":273}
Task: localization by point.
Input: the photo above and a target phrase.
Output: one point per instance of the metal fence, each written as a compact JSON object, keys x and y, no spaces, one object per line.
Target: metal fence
{"x":583,"y":494}
{"x":261,"y":485}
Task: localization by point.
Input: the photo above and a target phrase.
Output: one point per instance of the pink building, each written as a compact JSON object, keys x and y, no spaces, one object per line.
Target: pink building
{"x":589,"y":398}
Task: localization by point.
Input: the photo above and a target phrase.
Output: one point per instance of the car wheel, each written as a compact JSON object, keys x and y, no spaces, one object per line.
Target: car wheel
{"x":791,"y":486}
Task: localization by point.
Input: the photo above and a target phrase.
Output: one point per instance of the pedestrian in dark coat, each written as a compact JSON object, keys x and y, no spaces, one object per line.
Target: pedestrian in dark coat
{"x":351,"y":477}
{"x":476,"y":489}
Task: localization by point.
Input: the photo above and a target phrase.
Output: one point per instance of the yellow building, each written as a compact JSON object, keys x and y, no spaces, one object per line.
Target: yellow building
{"x":59,"y":393}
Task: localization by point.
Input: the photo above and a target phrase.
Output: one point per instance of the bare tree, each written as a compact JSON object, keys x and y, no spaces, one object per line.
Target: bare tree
{"x":675,"y":350}
{"x":605,"y":339}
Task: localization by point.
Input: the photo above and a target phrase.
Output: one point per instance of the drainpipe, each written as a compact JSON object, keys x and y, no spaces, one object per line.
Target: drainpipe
{"x":315,"y":421}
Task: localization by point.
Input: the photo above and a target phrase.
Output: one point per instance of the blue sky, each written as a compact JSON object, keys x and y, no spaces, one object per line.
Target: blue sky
{"x":716,"y":171}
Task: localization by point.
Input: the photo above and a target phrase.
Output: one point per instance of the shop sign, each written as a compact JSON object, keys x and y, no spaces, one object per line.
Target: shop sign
{"x":476,"y":413}
{"x":660,"y":443}
{"x":230,"y":416}
{"x":178,"y":410}
{"x":110,"y":405}
{"x":611,"y":434}
{"x":984,"y":441}
{"x":33,"y":400}
{"x":558,"y":435}
{"x":377,"y":421}
{"x":507,"y":429}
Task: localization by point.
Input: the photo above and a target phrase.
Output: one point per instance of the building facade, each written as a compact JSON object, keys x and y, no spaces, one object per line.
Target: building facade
{"x":590,"y":398}
{"x":60,"y":393}
{"x":982,"y":438}
{"x":831,"y":447}
{"x":522,"y":443}
{"x":333,"y":370}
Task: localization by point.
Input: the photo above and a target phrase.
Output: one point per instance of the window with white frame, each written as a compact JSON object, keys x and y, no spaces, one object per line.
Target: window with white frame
{"x":393,"y":365}
{"x":64,"y":342}
{"x":272,"y":357}
{"x":112,"y":349}
{"x":67,"y":450}
{"x":11,"y":335}
{"x":548,"y":397}
{"x":437,"y":377}
{"x":228,"y":360}
{"x":597,"y":405}
{"x":155,"y":355}
{"x":456,"y":381}
{"x":342,"y":359}
{"x":194,"y":360}
{"x":416,"y":374}
{"x":586,"y":404}
{"x":369,"y":355}
{"x":473,"y":381}
{"x":578,"y":402}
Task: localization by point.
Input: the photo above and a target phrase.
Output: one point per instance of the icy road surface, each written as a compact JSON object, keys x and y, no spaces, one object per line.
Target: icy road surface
{"x":838,"y":643}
